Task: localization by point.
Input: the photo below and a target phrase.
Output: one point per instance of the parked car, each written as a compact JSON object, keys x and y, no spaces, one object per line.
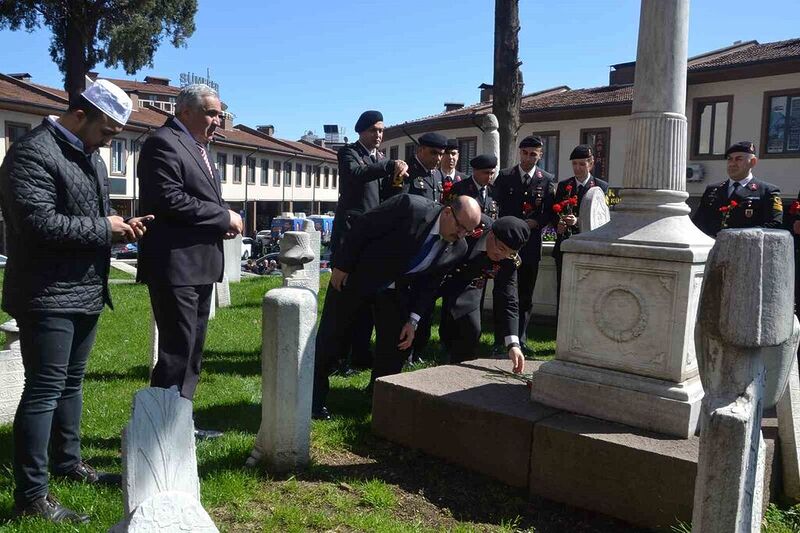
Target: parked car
{"x":247,"y":248}
{"x":3,"y":260}
{"x":125,"y":251}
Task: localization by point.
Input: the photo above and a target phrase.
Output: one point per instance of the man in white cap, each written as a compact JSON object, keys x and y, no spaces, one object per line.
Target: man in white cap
{"x":54,"y":195}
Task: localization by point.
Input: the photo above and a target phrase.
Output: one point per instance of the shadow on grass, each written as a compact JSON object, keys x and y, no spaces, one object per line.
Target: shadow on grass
{"x":137,"y":373}
{"x":240,"y":416}
{"x":232,"y":363}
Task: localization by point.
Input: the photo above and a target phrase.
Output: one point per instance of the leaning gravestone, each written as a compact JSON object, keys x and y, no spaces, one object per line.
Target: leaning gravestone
{"x":232,"y":248}
{"x":222,"y":292}
{"x":161,"y":490}
{"x":746,"y":338}
{"x":315,"y":242}
{"x":12,"y":373}
{"x":287,"y":362}
{"x":594,"y":210}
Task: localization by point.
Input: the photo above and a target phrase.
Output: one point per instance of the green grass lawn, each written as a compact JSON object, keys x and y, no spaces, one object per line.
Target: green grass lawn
{"x":356,"y":482}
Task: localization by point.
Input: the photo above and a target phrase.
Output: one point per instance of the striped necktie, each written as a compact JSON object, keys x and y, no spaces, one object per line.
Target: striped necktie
{"x":205,"y":159}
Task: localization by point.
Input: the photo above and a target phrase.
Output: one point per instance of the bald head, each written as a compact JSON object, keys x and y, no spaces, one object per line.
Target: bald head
{"x":460,"y":218}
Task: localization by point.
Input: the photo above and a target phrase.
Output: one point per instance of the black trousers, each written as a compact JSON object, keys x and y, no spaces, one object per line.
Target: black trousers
{"x":360,"y":349}
{"x":181,"y":313}
{"x":341,"y":315}
{"x":55,"y":349}
{"x":460,"y":336}
{"x":526,"y":283}
{"x":391,"y":314}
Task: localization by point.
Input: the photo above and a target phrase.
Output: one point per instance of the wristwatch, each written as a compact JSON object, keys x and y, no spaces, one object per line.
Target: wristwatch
{"x":513,"y":345}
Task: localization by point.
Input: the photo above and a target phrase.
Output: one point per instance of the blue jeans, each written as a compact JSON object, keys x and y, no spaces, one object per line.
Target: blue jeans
{"x":55,"y":349}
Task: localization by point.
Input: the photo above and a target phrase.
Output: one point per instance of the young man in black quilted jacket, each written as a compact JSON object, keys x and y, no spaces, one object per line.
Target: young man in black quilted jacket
{"x":54,"y":195}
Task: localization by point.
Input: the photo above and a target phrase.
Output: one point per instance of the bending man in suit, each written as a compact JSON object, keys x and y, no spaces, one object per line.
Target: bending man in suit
{"x":181,"y":256}
{"x":404,"y":239}
{"x":491,"y":255}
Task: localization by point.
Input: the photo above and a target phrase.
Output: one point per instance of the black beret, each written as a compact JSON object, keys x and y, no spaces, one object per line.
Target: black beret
{"x":742,"y":146}
{"x":452,"y":144}
{"x":531,"y":141}
{"x":511,"y":231}
{"x":483,"y":162}
{"x":434,"y":140}
{"x":582,"y":151}
{"x":367,"y":120}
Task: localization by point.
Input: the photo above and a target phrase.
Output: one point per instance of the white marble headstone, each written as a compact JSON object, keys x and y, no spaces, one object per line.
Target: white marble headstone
{"x":594,"y":210}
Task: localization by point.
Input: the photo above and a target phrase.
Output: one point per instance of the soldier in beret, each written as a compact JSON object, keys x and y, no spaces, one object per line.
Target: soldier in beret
{"x":492,"y":254}
{"x":447,"y":173}
{"x":479,"y":185}
{"x":526,"y":192}
{"x":421,"y":180}
{"x":741,"y":201}
{"x":567,"y":203}
{"x":361,"y":169}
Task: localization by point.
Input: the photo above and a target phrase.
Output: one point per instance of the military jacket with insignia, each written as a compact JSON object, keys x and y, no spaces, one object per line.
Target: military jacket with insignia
{"x":420,"y":182}
{"x":531,"y":200}
{"x":360,"y":178}
{"x":580,"y":192}
{"x":757,"y":205}
{"x":469,"y":187}
{"x":462,"y":287}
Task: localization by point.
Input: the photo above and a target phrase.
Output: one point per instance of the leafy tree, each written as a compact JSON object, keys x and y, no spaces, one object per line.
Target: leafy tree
{"x":87,"y":32}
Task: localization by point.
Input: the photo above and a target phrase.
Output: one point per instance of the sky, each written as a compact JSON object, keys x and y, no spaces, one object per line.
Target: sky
{"x":300,"y":64}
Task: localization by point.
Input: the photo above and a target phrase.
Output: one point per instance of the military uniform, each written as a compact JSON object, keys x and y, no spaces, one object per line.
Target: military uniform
{"x":420,"y":182}
{"x":566,"y":189}
{"x":528,"y":199}
{"x":757,"y":204}
{"x":462,"y":291}
{"x":483,"y":195}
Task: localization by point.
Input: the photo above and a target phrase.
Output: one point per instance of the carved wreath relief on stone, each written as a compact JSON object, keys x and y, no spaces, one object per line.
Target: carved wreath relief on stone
{"x":620,"y":313}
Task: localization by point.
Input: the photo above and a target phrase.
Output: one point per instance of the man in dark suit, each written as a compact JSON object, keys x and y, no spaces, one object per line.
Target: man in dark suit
{"x":491,"y":255}
{"x":479,"y":185}
{"x":565,"y":210}
{"x":387,"y":249}
{"x":525,"y":191}
{"x":447,"y":172}
{"x":361,"y":169}
{"x":181,"y":256}
{"x":421,"y":180}
{"x":741,"y":201}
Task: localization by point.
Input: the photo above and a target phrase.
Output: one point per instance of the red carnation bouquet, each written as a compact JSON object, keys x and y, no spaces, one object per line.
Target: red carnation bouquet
{"x":565,"y":207}
{"x":794,"y":209}
{"x":726,"y":211}
{"x":447,"y":192}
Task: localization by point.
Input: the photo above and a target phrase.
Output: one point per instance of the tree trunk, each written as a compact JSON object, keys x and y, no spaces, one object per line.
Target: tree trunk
{"x":507,"y":91}
{"x":75,"y":64}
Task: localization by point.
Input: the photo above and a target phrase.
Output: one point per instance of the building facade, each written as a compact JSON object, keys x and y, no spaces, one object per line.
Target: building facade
{"x":748,"y":91}
{"x":262,"y":175}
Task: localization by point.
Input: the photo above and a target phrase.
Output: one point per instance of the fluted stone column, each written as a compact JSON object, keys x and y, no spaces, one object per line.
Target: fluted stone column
{"x":630,"y":289}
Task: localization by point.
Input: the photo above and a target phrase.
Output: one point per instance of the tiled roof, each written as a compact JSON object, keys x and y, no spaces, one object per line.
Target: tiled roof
{"x":748,"y":53}
{"x":144,"y":88}
{"x":609,"y":94}
{"x":12,"y":89}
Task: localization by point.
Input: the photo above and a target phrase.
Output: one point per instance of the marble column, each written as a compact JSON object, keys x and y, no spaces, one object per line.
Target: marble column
{"x":630,"y":289}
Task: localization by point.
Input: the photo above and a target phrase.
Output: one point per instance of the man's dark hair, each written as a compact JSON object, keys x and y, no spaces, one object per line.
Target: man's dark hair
{"x":92,"y":111}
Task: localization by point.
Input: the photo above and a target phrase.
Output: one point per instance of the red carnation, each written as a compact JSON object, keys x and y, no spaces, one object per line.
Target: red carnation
{"x":733,"y":204}
{"x":568,"y":188}
{"x":477,"y":233}
{"x":557,"y":208}
{"x":527,"y":208}
{"x":573,"y":200}
{"x":794,"y":209}
{"x":723,"y":209}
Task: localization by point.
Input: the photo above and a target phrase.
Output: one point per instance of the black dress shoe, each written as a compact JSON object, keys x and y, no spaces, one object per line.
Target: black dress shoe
{"x":85,"y":473}
{"x":47,"y":507}
{"x":206,"y":434}
{"x":320,"y":414}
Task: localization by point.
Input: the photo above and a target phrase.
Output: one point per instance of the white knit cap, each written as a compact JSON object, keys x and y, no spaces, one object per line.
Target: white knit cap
{"x":110,"y":99}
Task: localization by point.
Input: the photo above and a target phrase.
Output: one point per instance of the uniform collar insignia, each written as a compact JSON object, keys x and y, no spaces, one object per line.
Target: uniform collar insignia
{"x":752,"y":186}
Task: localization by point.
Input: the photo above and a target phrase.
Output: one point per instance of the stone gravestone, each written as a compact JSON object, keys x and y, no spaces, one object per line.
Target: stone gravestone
{"x":287,"y":362}
{"x":212,"y":305}
{"x":12,"y":373}
{"x":222,"y":292}
{"x":594,"y":210}
{"x":491,"y":137}
{"x":789,"y":435}
{"x":161,"y":490}
{"x":315,"y":241}
{"x":746,"y":337}
{"x":232,"y":248}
